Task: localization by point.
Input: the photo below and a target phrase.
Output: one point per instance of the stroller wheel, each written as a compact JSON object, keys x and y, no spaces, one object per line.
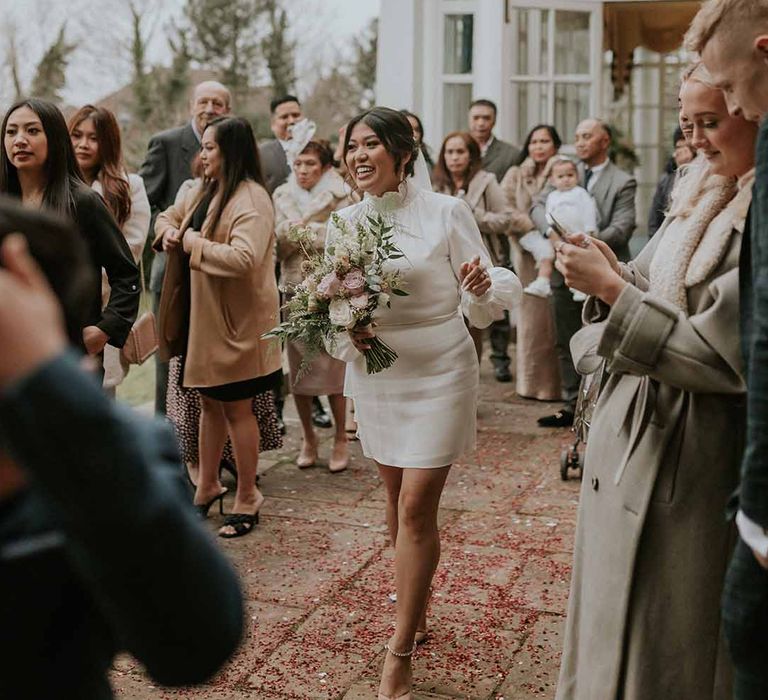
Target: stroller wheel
{"x":565,"y":459}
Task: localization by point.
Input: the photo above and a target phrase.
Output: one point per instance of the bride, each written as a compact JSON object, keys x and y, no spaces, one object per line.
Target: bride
{"x":417,"y":417}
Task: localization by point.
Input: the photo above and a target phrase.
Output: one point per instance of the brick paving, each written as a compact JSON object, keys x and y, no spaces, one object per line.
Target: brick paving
{"x":318,"y":570}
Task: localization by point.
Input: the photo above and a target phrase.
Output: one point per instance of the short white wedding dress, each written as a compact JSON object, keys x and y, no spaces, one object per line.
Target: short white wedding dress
{"x":421,"y":412}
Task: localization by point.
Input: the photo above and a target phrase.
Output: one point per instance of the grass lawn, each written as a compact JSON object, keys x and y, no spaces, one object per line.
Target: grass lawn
{"x":138,"y":387}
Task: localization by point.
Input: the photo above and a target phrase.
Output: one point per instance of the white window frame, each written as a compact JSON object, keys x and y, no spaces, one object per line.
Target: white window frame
{"x":593,"y":78}
{"x":454,"y":7}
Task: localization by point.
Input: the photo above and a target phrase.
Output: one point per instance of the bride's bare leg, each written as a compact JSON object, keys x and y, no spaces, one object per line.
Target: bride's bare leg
{"x":417,"y":552}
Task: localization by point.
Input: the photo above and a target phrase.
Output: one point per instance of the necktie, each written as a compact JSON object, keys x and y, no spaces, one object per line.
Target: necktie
{"x":587,"y":177}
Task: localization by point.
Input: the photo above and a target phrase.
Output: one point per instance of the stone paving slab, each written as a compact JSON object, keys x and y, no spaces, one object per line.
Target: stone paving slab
{"x":318,"y":570}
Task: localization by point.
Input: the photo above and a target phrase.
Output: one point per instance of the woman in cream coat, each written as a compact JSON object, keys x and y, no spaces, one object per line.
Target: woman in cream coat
{"x":96,"y":140}
{"x":459,"y":173}
{"x":221,"y":234}
{"x":538,"y":370}
{"x":652,"y":542}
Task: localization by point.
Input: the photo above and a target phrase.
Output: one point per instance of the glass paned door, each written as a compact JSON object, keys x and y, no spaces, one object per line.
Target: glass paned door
{"x":553,"y":57}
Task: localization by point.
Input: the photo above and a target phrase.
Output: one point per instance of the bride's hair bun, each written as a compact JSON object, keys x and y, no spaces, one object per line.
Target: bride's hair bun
{"x":395,"y":132}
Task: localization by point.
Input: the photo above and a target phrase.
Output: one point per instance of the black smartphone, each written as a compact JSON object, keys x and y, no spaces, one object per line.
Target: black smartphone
{"x":556,"y":226}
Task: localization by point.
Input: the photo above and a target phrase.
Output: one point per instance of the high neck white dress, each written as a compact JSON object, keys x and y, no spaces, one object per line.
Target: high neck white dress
{"x":421,"y":412}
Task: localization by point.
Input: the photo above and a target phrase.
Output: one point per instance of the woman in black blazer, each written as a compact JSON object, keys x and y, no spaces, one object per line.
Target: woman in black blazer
{"x":38,"y":165}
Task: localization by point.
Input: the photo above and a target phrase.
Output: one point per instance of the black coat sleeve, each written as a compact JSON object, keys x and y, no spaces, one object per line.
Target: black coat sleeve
{"x":113,"y":483}
{"x":111,"y":252}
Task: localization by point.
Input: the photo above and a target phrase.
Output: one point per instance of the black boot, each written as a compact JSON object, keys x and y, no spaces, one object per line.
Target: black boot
{"x":320,"y":419}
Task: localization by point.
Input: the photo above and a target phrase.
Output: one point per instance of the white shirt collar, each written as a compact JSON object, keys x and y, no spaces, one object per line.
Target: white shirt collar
{"x":484,"y":148}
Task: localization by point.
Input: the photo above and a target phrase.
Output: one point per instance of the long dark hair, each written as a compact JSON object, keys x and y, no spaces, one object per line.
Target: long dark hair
{"x":422,"y":144}
{"x":442,"y":176}
{"x":394,"y":131}
{"x":556,"y":140}
{"x":62,"y":173}
{"x":111,"y":171}
{"x":239,"y":159}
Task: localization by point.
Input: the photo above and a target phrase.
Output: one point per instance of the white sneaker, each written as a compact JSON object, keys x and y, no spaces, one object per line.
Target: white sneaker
{"x":578,"y":296}
{"x":539,"y":288}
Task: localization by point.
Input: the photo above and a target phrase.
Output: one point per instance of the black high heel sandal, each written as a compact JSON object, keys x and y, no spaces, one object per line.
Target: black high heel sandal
{"x":203,"y":508}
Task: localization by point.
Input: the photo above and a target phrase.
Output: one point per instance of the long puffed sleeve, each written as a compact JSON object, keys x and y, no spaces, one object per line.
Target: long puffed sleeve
{"x":464,"y":243}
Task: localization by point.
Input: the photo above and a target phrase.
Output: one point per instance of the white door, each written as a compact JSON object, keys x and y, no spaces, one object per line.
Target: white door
{"x":552,"y":60}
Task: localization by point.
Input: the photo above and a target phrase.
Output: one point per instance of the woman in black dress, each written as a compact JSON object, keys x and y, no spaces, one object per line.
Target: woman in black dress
{"x":38,"y":165}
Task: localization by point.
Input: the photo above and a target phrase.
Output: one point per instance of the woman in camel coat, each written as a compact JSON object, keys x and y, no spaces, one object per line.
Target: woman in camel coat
{"x":652,"y":542}
{"x":225,"y":226}
{"x":538,"y":371}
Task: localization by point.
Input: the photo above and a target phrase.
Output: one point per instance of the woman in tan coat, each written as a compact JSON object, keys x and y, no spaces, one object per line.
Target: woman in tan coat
{"x":459,"y":173}
{"x":221,"y":234}
{"x":313,"y":191}
{"x":538,"y":372}
{"x":652,"y":542}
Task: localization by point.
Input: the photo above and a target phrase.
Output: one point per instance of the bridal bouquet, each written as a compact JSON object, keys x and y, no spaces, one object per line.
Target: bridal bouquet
{"x":342,"y":288}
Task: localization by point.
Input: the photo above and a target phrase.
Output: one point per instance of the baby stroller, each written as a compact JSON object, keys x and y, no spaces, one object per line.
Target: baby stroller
{"x":589,"y":390}
{"x":592,"y":368}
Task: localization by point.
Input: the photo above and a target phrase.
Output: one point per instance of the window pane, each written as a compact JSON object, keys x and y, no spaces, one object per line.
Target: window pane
{"x":571,"y":107}
{"x":458,"y":44}
{"x":456,"y":99}
{"x":572,"y":42}
{"x":531,"y":106}
{"x":532,"y":52}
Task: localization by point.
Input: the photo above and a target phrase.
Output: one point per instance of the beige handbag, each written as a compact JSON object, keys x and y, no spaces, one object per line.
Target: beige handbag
{"x":141,"y":342}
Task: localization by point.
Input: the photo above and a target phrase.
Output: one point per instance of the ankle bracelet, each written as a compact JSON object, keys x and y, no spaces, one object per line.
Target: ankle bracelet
{"x":400,"y":654}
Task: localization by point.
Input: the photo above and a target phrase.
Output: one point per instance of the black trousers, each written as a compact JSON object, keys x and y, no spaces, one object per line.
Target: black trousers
{"x":161,"y":368}
{"x":745,"y":619}
{"x":567,"y":316}
{"x":500,"y":332}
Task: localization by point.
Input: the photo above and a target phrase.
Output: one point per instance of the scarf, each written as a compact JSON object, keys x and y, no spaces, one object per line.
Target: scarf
{"x":696,"y":234}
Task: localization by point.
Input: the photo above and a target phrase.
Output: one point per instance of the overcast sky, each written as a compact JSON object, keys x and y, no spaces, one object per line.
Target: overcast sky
{"x":99,"y":65}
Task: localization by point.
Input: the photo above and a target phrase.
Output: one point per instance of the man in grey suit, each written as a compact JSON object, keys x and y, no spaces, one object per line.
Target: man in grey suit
{"x":614,"y":194}
{"x":285,"y":112}
{"x":498,"y":157}
{"x":167,"y":164}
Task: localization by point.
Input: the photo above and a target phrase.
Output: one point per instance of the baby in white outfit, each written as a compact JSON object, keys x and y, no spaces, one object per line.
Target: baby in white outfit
{"x":574,"y":209}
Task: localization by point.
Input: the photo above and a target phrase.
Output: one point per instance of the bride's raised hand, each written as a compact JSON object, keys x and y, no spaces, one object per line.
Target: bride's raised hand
{"x":474,"y":277}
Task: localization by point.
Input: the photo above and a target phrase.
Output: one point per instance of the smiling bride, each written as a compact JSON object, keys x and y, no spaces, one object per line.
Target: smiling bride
{"x":418,"y":416}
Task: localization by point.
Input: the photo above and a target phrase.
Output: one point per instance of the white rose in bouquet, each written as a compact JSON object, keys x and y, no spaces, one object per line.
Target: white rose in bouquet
{"x":341,"y":314}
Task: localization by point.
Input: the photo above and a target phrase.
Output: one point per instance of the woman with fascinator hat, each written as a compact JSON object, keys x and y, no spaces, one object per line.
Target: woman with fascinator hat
{"x":314,"y":190}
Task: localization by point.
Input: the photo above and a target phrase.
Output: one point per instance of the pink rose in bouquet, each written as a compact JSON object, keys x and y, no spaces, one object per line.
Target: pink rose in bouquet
{"x":360,"y":301}
{"x":328,"y":286}
{"x":354,"y":282}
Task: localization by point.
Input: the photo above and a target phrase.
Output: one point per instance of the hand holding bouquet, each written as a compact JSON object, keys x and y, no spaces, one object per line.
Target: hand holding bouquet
{"x":342,"y":289}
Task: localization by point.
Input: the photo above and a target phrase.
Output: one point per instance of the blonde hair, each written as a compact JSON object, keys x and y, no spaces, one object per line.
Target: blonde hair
{"x":732,"y":16}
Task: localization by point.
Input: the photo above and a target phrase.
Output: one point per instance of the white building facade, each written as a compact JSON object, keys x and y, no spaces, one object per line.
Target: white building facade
{"x":541,"y":61}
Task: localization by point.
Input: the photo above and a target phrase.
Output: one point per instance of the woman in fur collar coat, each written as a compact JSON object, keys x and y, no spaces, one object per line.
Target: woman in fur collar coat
{"x":313,"y":191}
{"x":652,"y":542}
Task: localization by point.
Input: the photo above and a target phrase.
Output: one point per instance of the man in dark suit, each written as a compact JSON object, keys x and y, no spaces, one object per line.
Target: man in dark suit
{"x":498,"y":157}
{"x":732,"y":38}
{"x":100,"y":549}
{"x":166,"y":165}
{"x":285,"y":112}
{"x":614,"y":194}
